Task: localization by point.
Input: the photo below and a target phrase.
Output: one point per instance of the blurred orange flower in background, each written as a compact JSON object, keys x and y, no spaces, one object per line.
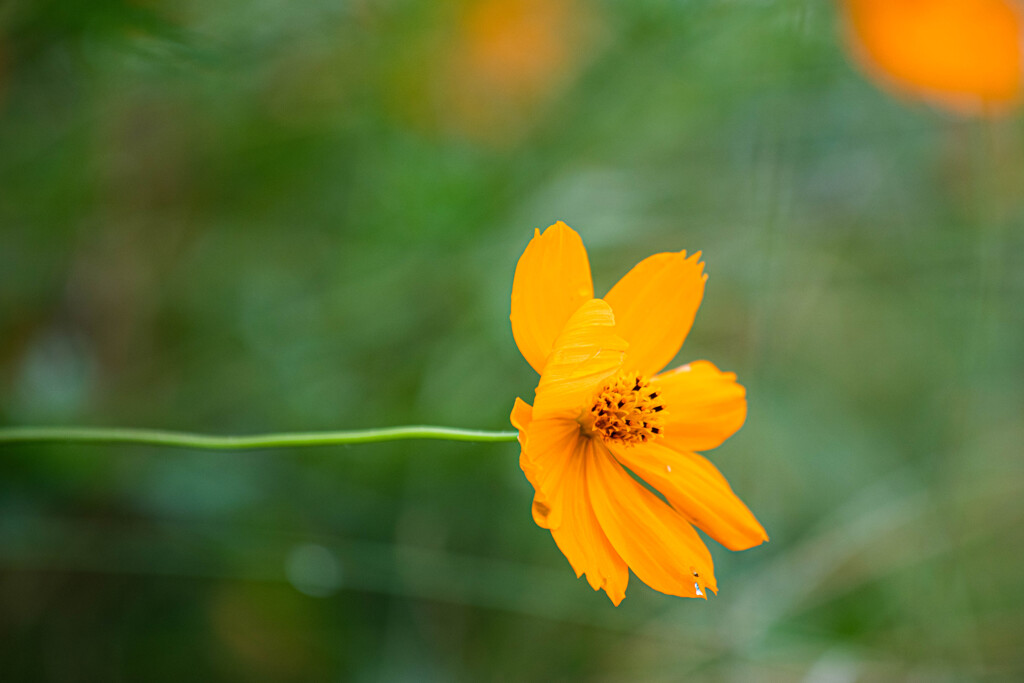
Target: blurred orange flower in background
{"x":507,"y":57}
{"x":962,"y":55}
{"x":602,"y":416}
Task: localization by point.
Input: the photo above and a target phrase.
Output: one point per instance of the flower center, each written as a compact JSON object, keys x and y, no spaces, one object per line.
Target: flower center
{"x":626,"y":411}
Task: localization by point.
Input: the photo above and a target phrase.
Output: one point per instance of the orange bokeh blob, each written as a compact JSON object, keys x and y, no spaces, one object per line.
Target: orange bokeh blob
{"x":507,"y":57}
{"x":519,"y":46}
{"x":963,"y":55}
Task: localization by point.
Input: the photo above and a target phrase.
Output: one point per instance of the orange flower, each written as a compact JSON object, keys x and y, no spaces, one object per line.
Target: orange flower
{"x":964,"y":55}
{"x":602,"y":417}
{"x":508,"y":59}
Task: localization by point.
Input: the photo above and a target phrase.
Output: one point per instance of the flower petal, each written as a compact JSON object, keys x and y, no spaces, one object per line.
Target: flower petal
{"x":654,"y":305}
{"x":522,"y":416}
{"x":695,"y":488}
{"x":656,"y":542}
{"x":545,"y":456}
{"x":586,"y":353}
{"x":580,"y":537}
{"x":703,"y":406}
{"x":553,"y":460}
{"x":552,"y":280}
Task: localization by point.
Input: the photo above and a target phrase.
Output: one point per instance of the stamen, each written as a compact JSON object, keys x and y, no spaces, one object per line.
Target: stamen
{"x":624,"y":411}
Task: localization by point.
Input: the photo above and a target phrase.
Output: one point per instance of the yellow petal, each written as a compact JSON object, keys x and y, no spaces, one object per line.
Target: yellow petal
{"x":586,"y":353}
{"x":522,"y":415}
{"x":552,"y":280}
{"x":544,"y":458}
{"x":654,"y":305}
{"x":695,"y":488}
{"x":552,"y":458}
{"x":580,"y":537}
{"x":661,"y":547}
{"x":703,"y":406}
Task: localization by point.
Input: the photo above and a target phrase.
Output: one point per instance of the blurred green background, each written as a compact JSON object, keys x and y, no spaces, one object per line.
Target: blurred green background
{"x":243,"y":217}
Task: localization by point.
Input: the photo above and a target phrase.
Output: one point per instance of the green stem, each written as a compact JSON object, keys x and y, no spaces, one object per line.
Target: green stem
{"x":153,"y":437}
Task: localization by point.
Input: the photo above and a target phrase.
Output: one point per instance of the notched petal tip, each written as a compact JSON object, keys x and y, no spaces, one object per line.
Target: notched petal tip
{"x":655,"y":304}
{"x":615,"y":597}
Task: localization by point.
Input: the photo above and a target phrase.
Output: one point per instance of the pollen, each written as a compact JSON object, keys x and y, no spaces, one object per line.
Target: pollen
{"x":626,"y":411}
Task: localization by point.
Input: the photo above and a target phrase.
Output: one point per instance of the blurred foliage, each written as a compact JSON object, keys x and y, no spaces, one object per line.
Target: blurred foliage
{"x":236,"y":217}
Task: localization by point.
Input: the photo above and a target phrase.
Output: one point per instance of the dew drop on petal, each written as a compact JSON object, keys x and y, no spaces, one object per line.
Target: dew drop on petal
{"x":668,"y":467}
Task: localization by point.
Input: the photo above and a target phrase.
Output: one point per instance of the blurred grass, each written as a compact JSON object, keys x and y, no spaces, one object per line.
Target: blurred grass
{"x":229,"y":218}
